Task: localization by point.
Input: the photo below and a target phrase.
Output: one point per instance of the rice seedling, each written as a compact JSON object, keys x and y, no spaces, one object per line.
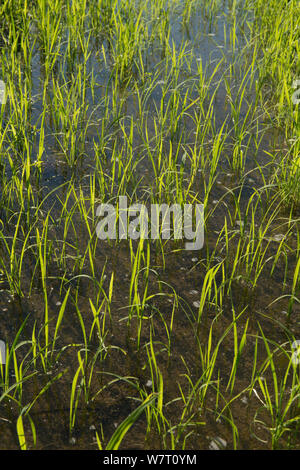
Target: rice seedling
{"x":140,"y":339}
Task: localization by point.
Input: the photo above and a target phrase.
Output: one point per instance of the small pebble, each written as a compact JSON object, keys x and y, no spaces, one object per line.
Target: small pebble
{"x":278,"y":237}
{"x":196,"y":304}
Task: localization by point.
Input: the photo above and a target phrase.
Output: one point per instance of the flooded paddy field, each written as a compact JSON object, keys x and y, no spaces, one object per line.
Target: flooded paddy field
{"x":144,"y":342}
